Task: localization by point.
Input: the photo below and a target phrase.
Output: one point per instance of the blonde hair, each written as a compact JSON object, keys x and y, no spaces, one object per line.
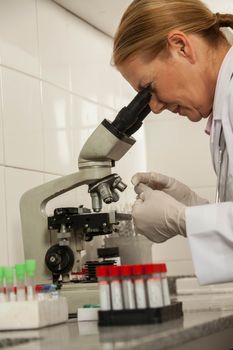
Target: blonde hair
{"x":146,"y":23}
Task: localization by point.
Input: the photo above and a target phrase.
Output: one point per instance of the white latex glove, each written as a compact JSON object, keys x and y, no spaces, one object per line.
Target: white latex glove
{"x":174,"y":188}
{"x":157,"y":215}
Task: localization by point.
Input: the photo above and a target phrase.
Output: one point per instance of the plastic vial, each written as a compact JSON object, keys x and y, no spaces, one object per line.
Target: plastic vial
{"x":39,"y":292}
{"x":165,"y":288}
{"x":154,"y":285}
{"x":139,"y":286}
{"x":127,"y":287}
{"x":2,"y":289}
{"x":104,"y":288}
{"x":20,"y":280}
{"x":30,"y":267}
{"x":116,"y":291}
{"x":9,"y":278}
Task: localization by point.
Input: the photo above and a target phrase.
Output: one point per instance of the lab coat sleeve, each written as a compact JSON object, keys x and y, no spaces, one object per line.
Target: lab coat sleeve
{"x":210,"y":234}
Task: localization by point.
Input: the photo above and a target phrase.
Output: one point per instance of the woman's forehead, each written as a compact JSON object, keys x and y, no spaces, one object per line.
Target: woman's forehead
{"x":137,"y":71}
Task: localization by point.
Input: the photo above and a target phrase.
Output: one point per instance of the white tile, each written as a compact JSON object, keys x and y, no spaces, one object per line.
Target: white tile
{"x":18,"y":40}
{"x":17,"y":182}
{"x":85,"y":119}
{"x":225,"y":6}
{"x":58,"y":133}
{"x":106,"y":113}
{"x":67,"y":199}
{"x":127,"y":92}
{"x":54,"y":45}
{"x":92,"y":75}
{"x":59,"y":151}
{"x":180,"y":149}
{"x":50,"y":177}
{"x":124,"y":92}
{"x":4,"y":259}
{"x":22,"y":120}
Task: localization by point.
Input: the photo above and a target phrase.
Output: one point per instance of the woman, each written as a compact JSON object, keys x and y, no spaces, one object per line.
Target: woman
{"x":176,"y":48}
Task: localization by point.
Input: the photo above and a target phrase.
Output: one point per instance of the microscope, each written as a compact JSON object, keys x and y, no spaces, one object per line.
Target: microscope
{"x":56,"y":242}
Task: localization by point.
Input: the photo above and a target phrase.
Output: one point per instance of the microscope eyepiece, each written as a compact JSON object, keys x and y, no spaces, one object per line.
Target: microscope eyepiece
{"x":130,"y":118}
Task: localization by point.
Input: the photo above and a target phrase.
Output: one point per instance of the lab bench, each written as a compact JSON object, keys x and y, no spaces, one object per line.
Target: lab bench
{"x":196,"y":330}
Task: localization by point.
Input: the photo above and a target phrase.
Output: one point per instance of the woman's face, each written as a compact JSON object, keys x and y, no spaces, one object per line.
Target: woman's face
{"x":178,"y":84}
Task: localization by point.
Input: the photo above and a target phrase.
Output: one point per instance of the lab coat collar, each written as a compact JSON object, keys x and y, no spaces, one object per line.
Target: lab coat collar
{"x":224,"y":77}
{"x":221,"y":109}
{"x":209,"y":124}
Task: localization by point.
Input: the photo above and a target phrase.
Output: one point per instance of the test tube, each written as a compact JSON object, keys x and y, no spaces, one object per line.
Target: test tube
{"x":164,"y":282}
{"x":39,"y":292}
{"x":127,"y":287}
{"x":139,"y":286}
{"x":9,"y":279}
{"x":30,"y":267}
{"x":154,"y":285}
{"x":102,"y":274}
{"x":2,"y":289}
{"x":20,"y":279}
{"x":115,"y":287}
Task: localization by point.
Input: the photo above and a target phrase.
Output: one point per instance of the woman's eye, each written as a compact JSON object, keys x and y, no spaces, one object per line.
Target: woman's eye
{"x":152,"y":88}
{"x":149,"y":86}
{"x":153,"y":91}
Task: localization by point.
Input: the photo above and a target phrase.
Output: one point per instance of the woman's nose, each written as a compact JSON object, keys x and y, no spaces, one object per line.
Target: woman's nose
{"x":156,"y":105}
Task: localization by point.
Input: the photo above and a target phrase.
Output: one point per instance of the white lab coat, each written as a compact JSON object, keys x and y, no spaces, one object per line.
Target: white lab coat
{"x":210,"y":227}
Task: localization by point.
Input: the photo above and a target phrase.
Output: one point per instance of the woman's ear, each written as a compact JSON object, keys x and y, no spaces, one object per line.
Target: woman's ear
{"x":181,"y":44}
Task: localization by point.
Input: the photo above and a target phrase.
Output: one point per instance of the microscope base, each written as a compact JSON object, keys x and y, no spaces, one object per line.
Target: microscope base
{"x":79,"y":294}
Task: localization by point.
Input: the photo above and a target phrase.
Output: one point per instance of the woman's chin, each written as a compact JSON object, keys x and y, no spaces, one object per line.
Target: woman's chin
{"x":192,"y":115}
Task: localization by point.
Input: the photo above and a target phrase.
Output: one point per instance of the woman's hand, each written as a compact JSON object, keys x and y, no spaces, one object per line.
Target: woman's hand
{"x":157,"y":215}
{"x":172,"y":187}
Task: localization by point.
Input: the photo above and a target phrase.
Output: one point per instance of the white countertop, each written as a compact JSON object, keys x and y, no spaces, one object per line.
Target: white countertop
{"x":88,"y":336}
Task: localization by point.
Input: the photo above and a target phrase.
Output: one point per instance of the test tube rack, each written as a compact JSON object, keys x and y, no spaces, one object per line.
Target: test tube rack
{"x":18,"y":315}
{"x":140,"y":316}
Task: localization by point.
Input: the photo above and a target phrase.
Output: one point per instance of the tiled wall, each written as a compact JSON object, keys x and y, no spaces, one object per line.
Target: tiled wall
{"x":57,"y":84}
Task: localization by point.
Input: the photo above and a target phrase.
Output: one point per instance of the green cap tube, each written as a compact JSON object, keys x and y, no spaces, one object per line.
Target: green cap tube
{"x":20,"y":272}
{"x":1,"y":274}
{"x":30,"y":266}
{"x":9,"y":274}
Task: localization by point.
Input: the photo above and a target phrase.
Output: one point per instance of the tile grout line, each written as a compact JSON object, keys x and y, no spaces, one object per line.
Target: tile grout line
{"x":57,"y":86}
